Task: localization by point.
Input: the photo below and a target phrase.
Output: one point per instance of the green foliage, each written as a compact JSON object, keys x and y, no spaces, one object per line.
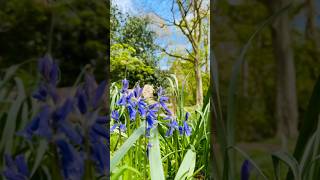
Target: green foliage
{"x":183,"y":69}
{"x":124,"y":64}
{"x":134,"y":31}
{"x":77,"y":39}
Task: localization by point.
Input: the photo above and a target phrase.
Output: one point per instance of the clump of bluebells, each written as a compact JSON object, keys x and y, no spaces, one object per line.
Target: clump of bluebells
{"x":135,"y":106}
{"x":73,"y":126}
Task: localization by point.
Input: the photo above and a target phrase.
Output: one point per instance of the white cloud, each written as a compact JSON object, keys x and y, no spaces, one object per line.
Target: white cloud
{"x":125,"y":6}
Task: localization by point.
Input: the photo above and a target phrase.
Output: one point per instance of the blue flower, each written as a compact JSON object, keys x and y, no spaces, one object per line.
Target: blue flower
{"x":132,"y":112}
{"x":62,"y":112}
{"x":115,"y":115}
{"x":72,"y":161}
{"x":122,"y":101}
{"x":137,"y":91}
{"x":130,"y":101}
{"x":39,"y":125}
{"x":16,"y":170}
{"x":173,"y":125}
{"x":125,"y":86}
{"x":245,"y":170}
{"x":185,"y":129}
{"x":41,"y":93}
{"x":142,"y":107}
{"x":82,"y":101}
{"x":48,"y":69}
{"x":151,"y":121}
{"x":122,"y":127}
{"x":101,"y":157}
{"x":99,"y":149}
{"x":163,"y":100}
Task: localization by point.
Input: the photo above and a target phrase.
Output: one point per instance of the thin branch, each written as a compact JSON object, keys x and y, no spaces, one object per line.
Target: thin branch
{"x":177,"y":56}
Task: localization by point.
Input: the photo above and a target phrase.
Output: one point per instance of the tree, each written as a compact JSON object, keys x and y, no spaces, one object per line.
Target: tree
{"x":190,"y":21}
{"x":286,"y":98}
{"x":124,"y":64}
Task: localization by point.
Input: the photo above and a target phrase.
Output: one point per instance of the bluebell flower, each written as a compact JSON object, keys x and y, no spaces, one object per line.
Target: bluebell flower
{"x":148,"y":129}
{"x":49,"y":70}
{"x":39,"y":125}
{"x":82,"y":101}
{"x":122,"y":101}
{"x":173,"y":125}
{"x":137,"y":91}
{"x":62,"y":112}
{"x":101,"y":157}
{"x":99,"y":149}
{"x":185,"y":128}
{"x":122,"y":127}
{"x":115,"y":115}
{"x":72,"y":161}
{"x":98,"y":94}
{"x":132,"y":112}
{"x":41,"y":93}
{"x":151,"y":121}
{"x":142,"y":107}
{"x":245,"y":170}
{"x":125,"y":86}
{"x":130,"y":101}
{"x":163,"y":100}
{"x":15,"y":169}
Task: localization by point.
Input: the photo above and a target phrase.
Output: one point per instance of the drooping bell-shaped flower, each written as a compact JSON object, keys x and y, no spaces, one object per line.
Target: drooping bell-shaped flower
{"x":173,"y":125}
{"x":245,"y":170}
{"x":125,"y":86}
{"x":71,"y":161}
{"x":15,"y":169}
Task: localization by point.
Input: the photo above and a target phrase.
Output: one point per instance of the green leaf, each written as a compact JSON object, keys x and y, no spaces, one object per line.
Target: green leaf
{"x":156,"y":169}
{"x":120,"y":153}
{"x":289,"y":160}
{"x":43,"y":146}
{"x":309,"y":124}
{"x":10,"y":126}
{"x":116,"y":175}
{"x":187,"y":166}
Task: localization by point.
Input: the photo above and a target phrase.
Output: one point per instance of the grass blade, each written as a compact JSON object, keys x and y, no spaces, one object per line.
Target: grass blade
{"x":156,"y":169}
{"x":187,"y":166}
{"x":289,"y":160}
{"x":43,"y":146}
{"x":10,"y":126}
{"x":120,"y":171}
{"x":120,"y":153}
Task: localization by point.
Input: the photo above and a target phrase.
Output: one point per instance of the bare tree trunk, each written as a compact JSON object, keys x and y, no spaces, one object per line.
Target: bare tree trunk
{"x":199,"y":95}
{"x":286,"y":98}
